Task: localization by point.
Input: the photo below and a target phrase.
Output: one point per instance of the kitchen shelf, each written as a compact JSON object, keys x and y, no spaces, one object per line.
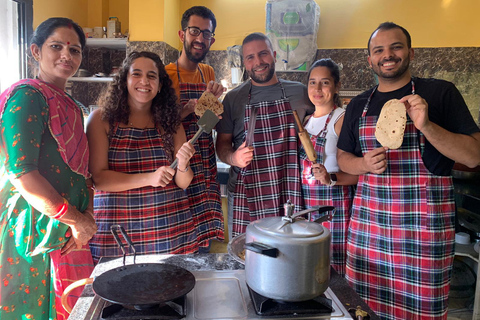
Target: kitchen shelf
{"x":110,"y":43}
{"x":91,"y":79}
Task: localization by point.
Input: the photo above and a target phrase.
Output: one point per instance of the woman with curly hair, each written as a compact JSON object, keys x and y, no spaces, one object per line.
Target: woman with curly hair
{"x":134,"y":137}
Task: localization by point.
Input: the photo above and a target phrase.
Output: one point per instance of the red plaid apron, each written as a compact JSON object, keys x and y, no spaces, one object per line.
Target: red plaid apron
{"x":338,"y":196}
{"x":204,"y":190}
{"x":272,"y":178}
{"x":401,"y":237}
{"x":157,"y":219}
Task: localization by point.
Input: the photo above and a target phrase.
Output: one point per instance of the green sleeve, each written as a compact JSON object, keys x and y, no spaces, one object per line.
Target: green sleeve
{"x":23,"y":123}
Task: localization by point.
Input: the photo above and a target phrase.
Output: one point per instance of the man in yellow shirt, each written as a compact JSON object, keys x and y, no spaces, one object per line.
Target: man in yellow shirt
{"x":190,"y":79}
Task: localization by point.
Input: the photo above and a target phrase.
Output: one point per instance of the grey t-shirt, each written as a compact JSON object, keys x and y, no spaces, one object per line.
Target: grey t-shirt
{"x":234,"y":103}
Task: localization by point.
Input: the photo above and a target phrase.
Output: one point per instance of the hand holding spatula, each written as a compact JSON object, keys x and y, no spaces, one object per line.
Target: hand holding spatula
{"x":205,"y":124}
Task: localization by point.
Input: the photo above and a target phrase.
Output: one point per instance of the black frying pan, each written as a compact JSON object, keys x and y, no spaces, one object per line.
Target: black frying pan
{"x":142,"y":285}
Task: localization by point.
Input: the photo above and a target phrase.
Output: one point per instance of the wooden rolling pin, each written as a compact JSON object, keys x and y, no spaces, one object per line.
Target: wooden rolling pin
{"x":305,"y":139}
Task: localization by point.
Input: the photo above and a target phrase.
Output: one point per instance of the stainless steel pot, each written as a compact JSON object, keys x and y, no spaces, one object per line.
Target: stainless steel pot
{"x":288,"y":258}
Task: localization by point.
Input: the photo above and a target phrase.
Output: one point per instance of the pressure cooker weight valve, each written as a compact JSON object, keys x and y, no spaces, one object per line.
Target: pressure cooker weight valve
{"x":290,"y":217}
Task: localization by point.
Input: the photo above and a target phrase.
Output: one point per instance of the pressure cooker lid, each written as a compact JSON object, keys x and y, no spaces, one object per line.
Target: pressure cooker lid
{"x":297,"y":229}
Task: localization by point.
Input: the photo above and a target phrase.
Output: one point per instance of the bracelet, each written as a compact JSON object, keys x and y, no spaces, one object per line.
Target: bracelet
{"x":186,"y":169}
{"x":61,"y":212}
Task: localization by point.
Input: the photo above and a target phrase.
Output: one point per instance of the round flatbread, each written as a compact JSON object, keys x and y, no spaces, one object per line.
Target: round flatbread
{"x":210,"y":102}
{"x":391,"y":124}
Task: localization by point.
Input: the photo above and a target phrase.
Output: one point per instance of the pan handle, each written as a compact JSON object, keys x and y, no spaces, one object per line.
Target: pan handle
{"x":72,"y":286}
{"x":119,"y":242}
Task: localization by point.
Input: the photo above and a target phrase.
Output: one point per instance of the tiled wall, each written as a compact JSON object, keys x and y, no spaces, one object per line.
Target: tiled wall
{"x":458,"y":65}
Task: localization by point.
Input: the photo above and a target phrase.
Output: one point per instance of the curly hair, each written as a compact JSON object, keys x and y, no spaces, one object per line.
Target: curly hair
{"x":165,"y":108}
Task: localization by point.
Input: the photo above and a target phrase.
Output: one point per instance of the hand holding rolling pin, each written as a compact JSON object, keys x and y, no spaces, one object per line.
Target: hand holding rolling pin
{"x":319,"y":171}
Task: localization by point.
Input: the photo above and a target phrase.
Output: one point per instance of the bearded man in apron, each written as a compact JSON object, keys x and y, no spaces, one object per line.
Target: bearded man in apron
{"x":258,"y":121}
{"x":401,"y":238}
{"x":190,"y":79}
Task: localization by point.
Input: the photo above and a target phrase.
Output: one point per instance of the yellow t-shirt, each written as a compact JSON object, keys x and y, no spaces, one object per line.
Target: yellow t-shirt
{"x":189,"y":76}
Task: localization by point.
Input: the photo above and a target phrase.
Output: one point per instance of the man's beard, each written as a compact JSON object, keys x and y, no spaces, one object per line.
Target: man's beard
{"x":265,"y":78}
{"x":188,"y":50}
{"x":394,"y":74}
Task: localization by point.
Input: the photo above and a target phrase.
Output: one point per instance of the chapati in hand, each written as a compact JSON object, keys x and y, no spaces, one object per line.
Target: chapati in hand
{"x":391,"y":124}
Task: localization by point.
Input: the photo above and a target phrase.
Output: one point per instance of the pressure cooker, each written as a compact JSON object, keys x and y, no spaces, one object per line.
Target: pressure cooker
{"x":288,"y":258}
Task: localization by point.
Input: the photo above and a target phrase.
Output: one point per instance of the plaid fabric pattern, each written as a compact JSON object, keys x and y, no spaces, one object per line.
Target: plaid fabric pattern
{"x":272,"y":178}
{"x":401,"y":237}
{"x":204,"y":190}
{"x":340,"y":197}
{"x":158,"y":220}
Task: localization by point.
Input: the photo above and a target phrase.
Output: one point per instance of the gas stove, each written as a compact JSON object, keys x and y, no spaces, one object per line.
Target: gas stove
{"x":224,"y":295}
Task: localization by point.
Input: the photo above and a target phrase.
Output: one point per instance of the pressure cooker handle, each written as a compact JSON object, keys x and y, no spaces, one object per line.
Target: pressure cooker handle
{"x":327,"y":217}
{"x":320,"y":209}
{"x":261,"y":248}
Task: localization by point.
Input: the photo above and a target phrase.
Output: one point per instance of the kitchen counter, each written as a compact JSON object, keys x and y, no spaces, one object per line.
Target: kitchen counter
{"x":204,"y":262}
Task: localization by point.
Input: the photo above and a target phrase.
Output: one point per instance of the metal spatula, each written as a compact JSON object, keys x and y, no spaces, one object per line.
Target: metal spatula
{"x":205,"y":124}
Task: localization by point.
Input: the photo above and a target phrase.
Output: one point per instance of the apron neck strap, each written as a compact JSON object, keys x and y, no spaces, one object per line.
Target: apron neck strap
{"x":198,"y":67}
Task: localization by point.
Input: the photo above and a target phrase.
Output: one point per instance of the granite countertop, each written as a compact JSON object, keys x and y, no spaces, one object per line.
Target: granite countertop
{"x":200,"y":262}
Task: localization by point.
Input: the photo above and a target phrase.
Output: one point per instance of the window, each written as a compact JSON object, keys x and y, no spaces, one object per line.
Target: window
{"x":16,"y":20}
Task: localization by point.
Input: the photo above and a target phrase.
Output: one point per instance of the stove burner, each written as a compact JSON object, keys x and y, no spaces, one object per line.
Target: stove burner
{"x":270,"y":307}
{"x":171,"y":310}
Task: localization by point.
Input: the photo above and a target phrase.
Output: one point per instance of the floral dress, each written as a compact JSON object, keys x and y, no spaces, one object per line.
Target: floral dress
{"x":27,"y":236}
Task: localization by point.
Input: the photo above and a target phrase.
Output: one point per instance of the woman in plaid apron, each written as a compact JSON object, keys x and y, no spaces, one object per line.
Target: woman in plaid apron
{"x":401,"y":237}
{"x":136,"y":187}
{"x":317,"y":184}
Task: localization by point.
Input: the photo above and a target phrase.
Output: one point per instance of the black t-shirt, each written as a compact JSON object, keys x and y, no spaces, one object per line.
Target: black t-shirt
{"x":446,"y":108}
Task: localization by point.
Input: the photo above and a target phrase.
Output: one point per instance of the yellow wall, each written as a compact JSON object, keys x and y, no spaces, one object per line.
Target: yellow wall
{"x":73,"y":9}
{"x":171,"y":24}
{"x":97,"y":13}
{"x":349,"y":23}
{"x":146,"y":20}
{"x":87,"y":13}
{"x":343,"y":23}
{"x":119,"y":9}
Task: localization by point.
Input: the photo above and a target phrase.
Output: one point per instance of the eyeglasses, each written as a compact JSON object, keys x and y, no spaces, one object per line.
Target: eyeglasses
{"x":194,"y":31}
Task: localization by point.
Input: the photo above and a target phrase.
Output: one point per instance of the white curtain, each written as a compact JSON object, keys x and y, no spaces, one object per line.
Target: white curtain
{"x":9,"y":49}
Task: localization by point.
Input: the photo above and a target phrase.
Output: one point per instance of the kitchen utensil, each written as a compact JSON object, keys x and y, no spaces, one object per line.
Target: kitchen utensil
{"x":205,"y":124}
{"x":138,"y":286}
{"x":251,"y":127}
{"x":236,"y":248}
{"x":288,"y":258}
{"x":113,"y":26}
{"x":305,"y":139}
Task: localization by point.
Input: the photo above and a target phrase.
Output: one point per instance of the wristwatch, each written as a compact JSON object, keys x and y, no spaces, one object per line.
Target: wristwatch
{"x":333,"y":179}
